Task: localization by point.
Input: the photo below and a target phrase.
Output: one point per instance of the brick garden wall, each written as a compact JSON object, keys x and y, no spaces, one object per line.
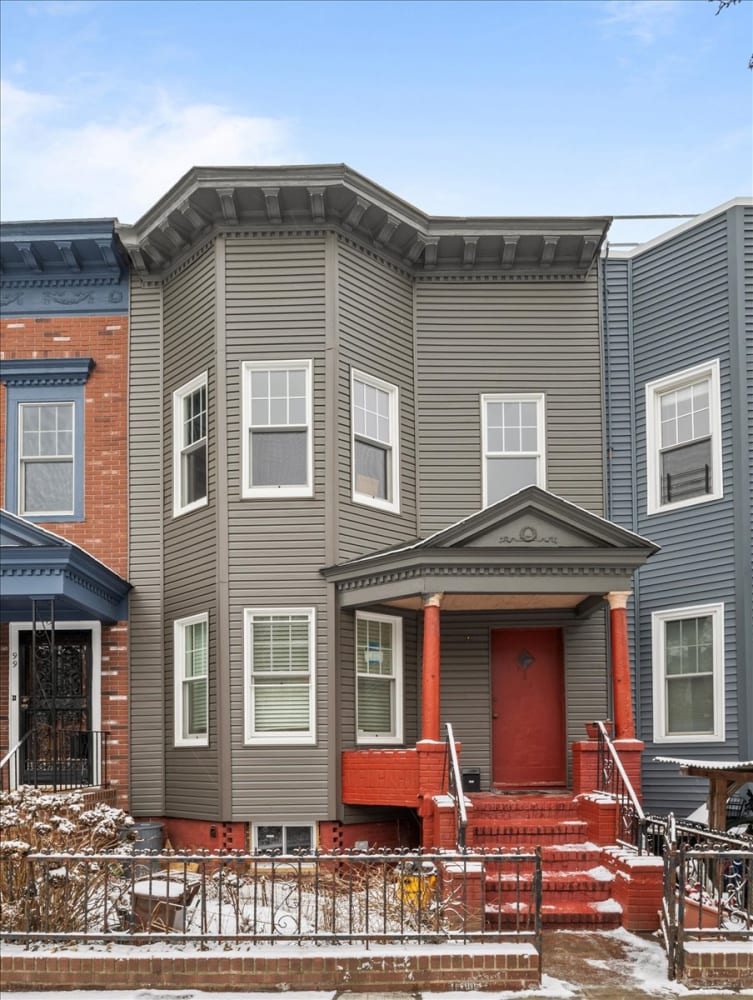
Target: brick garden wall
{"x":512,"y":967}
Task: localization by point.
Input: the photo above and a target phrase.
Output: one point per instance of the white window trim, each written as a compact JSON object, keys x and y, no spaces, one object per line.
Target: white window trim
{"x":248,"y":491}
{"x":654,"y":390}
{"x":179,"y":648}
{"x":658,"y":620}
{"x":279,"y":738}
{"x":283,"y":824}
{"x":392,"y":391}
{"x":397,"y":662}
{"x":178,"y":396}
{"x":540,"y":454}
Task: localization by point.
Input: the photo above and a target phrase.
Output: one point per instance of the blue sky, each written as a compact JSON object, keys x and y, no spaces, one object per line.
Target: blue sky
{"x":510,"y":108}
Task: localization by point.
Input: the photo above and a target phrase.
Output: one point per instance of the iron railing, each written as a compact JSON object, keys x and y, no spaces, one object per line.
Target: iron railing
{"x":368,"y":897}
{"x":634,"y":829}
{"x":455,"y":786}
{"x":56,"y":760}
{"x":708,"y":889}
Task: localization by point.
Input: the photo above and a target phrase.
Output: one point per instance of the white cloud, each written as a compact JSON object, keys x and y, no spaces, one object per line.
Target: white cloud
{"x":55,"y":167}
{"x":645,"y":20}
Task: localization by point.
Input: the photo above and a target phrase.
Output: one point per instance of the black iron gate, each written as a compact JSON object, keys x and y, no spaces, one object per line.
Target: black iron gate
{"x":55,"y":701}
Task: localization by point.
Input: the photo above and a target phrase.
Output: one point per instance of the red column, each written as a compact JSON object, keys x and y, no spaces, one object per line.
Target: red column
{"x":430,"y":669}
{"x":624,"y":724}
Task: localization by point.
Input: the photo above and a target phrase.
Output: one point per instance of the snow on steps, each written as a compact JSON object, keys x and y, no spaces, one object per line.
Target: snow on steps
{"x":575,"y":887}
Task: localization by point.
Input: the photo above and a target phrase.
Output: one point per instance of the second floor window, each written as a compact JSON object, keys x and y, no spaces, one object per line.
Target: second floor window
{"x":683,"y":431}
{"x":375,"y":442}
{"x":513,"y":443}
{"x":277,"y":446}
{"x":190,"y":446}
{"x":46,"y":470}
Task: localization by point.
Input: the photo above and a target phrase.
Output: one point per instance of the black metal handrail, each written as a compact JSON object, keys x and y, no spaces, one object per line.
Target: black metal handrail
{"x":455,"y":788}
{"x":612,"y":779}
{"x":57,"y":760}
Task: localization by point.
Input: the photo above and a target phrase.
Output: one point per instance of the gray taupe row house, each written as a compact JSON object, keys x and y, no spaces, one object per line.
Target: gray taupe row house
{"x":367,"y":498}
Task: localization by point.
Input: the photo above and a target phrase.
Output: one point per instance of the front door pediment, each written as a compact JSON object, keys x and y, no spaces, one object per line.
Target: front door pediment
{"x":531,"y":530}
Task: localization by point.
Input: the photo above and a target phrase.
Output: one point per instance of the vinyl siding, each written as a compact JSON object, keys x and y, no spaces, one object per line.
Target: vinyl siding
{"x":190,"y":539}
{"x":743,"y":262}
{"x":375,"y":313}
{"x":485,"y":337}
{"x":145,"y":554}
{"x":275,"y":309}
{"x":680,"y":317}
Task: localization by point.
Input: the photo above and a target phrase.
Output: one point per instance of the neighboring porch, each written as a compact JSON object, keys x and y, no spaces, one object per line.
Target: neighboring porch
{"x":525,"y":579}
{"x":57,"y":600}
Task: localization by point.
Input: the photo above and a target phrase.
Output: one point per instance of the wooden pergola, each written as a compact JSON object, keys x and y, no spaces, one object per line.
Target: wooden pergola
{"x":724,"y":778}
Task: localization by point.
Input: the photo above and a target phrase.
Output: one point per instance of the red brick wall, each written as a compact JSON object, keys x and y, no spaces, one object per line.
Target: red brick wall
{"x":104,"y":532}
{"x":429,"y":969}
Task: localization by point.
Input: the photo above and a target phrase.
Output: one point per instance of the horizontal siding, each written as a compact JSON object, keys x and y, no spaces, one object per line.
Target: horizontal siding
{"x":145,"y":442}
{"x":192,"y":785}
{"x":275,"y":309}
{"x":619,"y":392}
{"x":375,"y":329}
{"x":681,"y":318}
{"x":476,"y":338}
{"x":745,"y":497}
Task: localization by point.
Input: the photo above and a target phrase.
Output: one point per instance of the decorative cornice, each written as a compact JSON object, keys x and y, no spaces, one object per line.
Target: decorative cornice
{"x":336,"y":197}
{"x":45,"y":371}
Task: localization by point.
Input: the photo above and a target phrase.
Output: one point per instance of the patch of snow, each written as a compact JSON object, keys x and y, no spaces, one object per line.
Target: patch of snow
{"x":720,"y":947}
{"x":601,"y":873}
{"x":606,"y":906}
{"x":585,"y":845}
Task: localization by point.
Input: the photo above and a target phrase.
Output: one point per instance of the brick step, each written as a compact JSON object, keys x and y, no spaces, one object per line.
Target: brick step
{"x":522,"y":806}
{"x":556,"y":887}
{"x":603,"y":915}
{"x":525,"y":832}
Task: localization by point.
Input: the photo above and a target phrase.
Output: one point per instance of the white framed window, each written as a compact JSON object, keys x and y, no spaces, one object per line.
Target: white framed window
{"x":277,"y":436}
{"x":191,"y":680}
{"x":285,"y":838}
{"x":190,"y":446}
{"x":683,"y":438}
{"x":374,"y":442}
{"x":280,"y":675}
{"x":688,"y":662}
{"x":379,"y":678}
{"x":46,"y":458}
{"x":513,"y":434}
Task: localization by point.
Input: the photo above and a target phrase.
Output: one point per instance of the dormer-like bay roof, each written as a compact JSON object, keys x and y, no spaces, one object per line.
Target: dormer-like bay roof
{"x":263,"y":200}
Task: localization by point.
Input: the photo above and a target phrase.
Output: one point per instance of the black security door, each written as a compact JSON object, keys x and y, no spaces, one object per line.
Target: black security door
{"x":55,"y":690}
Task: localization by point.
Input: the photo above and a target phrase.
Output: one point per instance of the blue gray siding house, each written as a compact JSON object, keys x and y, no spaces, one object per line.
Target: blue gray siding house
{"x":678,"y":358}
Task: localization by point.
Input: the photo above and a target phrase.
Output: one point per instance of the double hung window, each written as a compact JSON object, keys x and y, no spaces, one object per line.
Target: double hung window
{"x":683,"y":438}
{"x":688,"y":657}
{"x":279,"y":675}
{"x":190,"y":446}
{"x":513,"y":443}
{"x":374,"y":421}
{"x":379,"y":703}
{"x":44,"y":456}
{"x":277,"y":446}
{"x":191,"y":680}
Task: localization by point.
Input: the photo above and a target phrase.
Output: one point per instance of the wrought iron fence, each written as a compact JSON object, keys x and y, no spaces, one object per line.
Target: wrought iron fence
{"x":708,"y":890}
{"x":346,"y":896}
{"x":59,"y":760}
{"x":634,"y":829}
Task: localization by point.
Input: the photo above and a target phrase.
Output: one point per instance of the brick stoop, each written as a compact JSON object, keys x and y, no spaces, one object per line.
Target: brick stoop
{"x":576,"y":884}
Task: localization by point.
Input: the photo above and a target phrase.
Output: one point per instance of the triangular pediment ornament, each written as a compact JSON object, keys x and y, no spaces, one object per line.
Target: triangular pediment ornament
{"x":534,"y":518}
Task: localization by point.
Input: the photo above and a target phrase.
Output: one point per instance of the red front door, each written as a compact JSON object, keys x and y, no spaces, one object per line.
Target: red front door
{"x":528,"y":708}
